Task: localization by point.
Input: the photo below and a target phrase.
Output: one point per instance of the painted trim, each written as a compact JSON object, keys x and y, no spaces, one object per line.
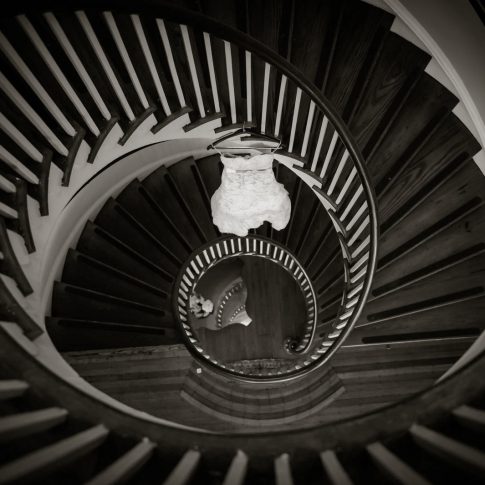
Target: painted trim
{"x":453,"y":34}
{"x":88,"y":201}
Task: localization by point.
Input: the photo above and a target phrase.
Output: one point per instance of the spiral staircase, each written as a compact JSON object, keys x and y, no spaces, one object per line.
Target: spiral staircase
{"x":107,"y":109}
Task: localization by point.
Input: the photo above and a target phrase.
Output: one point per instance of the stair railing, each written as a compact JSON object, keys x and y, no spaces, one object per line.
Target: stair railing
{"x":222,"y":249}
{"x":214,"y":73}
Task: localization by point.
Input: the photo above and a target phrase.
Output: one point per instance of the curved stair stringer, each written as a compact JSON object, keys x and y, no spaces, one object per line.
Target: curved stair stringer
{"x":67,"y":227}
{"x":342,"y":146}
{"x":35,"y":265}
{"x":383,"y":417}
{"x":137,"y":128}
{"x":127,"y":199}
{"x":140,"y":125}
{"x":414,"y":418}
{"x":73,"y":219}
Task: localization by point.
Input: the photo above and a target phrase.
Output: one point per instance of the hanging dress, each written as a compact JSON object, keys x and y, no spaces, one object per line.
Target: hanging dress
{"x":249,"y":195}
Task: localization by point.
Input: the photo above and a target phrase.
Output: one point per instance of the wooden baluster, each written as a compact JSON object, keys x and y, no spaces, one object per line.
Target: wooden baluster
{"x":355,"y":290}
{"x":6,"y":185}
{"x":336,"y":473}
{"x":279,"y":109}
{"x":125,"y":466}
{"x":359,"y":275}
{"x":361,"y":247}
{"x":472,"y":417}
{"x":58,"y":73}
{"x":8,"y":212}
{"x":192,"y":69}
{"x":359,"y":263}
{"x":283,"y":470}
{"x":105,"y":64}
{"x":32,"y":115}
{"x":12,"y":388}
{"x":65,"y":43}
{"x":212,"y":72}
{"x":38,"y":89}
{"x":338,"y":172}
{"x":264,"y":107}
{"x":346,"y":186}
{"x":11,"y":266}
{"x":295,"y":119}
{"x":359,"y":231}
{"x":351,"y":303}
{"x":113,"y":27}
{"x":237,"y":470}
{"x":19,"y":139}
{"x":352,"y":202}
{"x":54,"y":456}
{"x":328,"y":157}
{"x":140,"y":33}
{"x":23,"y":424}
{"x":17,"y":166}
{"x":249,"y":87}
{"x":356,"y":216}
{"x":318,"y":148}
{"x":394,"y":467}
{"x":184,"y":470}
{"x":171,"y":63}
{"x":230,"y":81}
{"x":308,"y":128}
{"x":463,"y":455}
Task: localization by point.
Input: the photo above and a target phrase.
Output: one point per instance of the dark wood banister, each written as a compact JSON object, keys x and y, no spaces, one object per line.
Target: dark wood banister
{"x":289,"y":375}
{"x":179,"y":15}
{"x":385,"y":423}
{"x":382,"y":424}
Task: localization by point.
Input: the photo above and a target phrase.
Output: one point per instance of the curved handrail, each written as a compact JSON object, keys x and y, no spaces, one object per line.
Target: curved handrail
{"x":224,"y":248}
{"x":391,"y":420}
{"x":386,"y":422}
{"x":169,"y":12}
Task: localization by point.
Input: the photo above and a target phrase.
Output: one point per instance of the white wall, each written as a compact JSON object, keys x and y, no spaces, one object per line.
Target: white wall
{"x":453,"y":34}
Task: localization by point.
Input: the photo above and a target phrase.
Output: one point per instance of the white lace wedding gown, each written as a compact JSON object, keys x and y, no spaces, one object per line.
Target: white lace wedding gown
{"x":249,"y":195}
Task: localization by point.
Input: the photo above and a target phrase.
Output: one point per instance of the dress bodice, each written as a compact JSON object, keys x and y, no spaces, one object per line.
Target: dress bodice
{"x":256,"y":162}
{"x":249,"y":195}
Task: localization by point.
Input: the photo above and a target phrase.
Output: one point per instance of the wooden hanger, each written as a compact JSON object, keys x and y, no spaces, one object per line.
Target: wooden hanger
{"x":247,"y":134}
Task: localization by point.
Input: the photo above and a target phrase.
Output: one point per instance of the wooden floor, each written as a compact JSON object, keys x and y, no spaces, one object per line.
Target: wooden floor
{"x":277,"y":310}
{"x":374,"y":375}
